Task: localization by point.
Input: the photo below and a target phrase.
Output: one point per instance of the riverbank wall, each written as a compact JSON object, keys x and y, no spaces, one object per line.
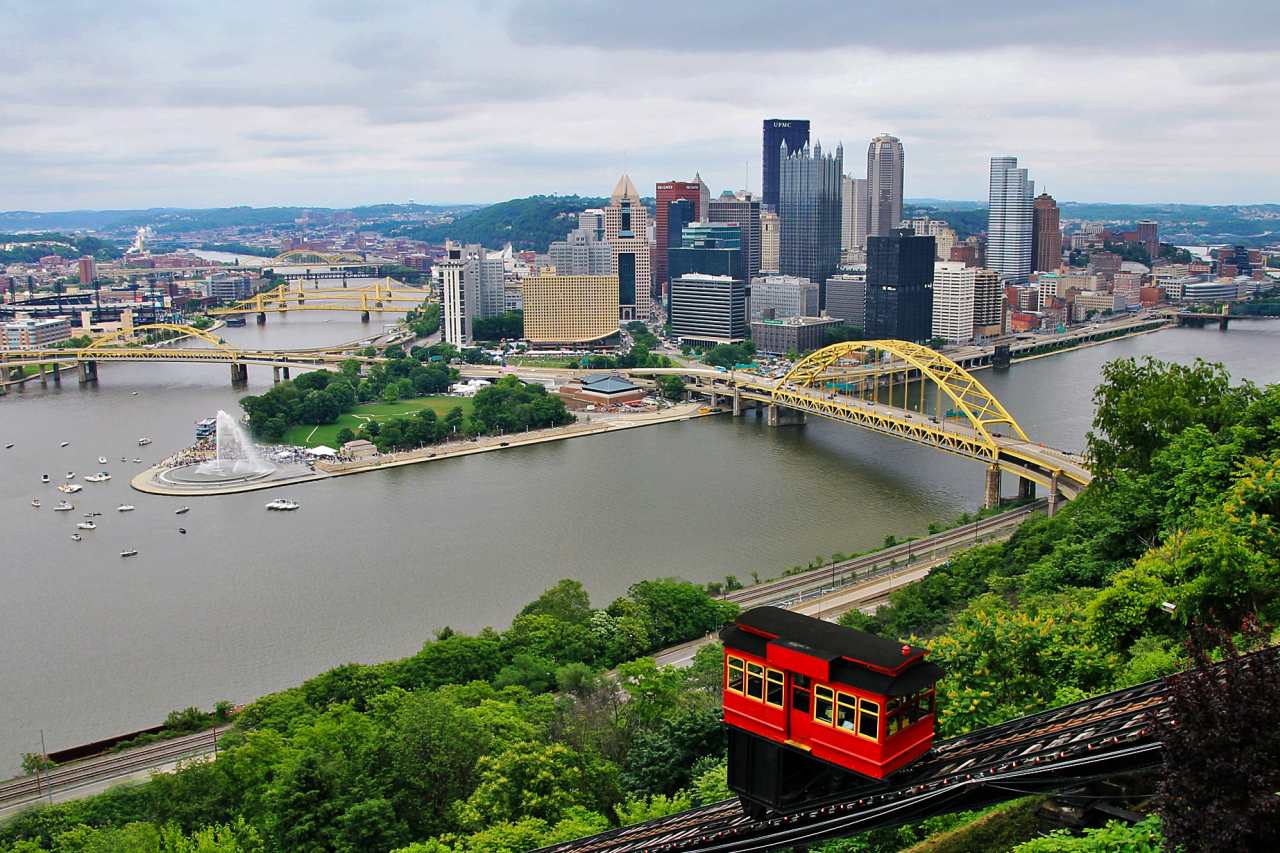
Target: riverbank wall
{"x":148,"y":480}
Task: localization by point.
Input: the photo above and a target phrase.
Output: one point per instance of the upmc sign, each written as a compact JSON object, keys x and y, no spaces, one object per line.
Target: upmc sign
{"x":782,"y":124}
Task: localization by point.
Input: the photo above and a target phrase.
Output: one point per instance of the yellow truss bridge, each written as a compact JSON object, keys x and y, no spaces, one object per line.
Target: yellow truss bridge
{"x":909,"y":392}
{"x":310,"y":256}
{"x":125,"y":345}
{"x":284,"y":299}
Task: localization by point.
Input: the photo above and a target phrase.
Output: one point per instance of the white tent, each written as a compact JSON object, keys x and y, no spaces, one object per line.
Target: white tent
{"x":321,"y":450}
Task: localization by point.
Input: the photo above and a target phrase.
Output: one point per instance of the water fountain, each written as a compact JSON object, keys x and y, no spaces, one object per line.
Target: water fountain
{"x":235,"y":460}
{"x":236,"y":456}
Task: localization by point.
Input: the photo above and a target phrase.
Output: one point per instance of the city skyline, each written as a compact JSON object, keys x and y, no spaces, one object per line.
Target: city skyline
{"x":404,"y":102}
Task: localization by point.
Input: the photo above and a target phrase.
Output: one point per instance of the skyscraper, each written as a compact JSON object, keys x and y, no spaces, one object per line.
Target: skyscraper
{"x":570,"y":309}
{"x":581,"y":252}
{"x":626,"y":227}
{"x":900,"y":286}
{"x":953,"y":301}
{"x":709,"y":308}
{"x":847,"y":298}
{"x":988,"y":300}
{"x":770,"y":236}
{"x":695,"y":192}
{"x":853,"y":213}
{"x":1148,"y":236}
{"x":1009,"y":220}
{"x":884,"y":184}
{"x":794,"y":132}
{"x":457,"y":306}
{"x":809,"y":207}
{"x":742,"y":208}
{"x":1046,"y":234}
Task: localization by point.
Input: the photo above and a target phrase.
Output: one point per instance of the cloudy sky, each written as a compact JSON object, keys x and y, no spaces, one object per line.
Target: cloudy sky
{"x":141,"y":103}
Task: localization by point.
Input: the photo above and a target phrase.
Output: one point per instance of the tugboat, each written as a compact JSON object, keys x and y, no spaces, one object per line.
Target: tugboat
{"x":129,"y":552}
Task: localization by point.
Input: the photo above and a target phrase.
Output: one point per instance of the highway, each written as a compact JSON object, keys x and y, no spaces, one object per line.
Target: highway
{"x":96,"y":774}
{"x":864,"y":582}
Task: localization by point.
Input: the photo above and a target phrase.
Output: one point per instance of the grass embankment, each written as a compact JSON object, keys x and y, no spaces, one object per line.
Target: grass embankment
{"x":309,"y":435}
{"x":535,"y":361}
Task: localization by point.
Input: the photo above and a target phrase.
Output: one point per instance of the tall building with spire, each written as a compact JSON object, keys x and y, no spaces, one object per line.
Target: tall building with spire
{"x":1009,"y":220}
{"x":884,"y":185}
{"x":795,"y":133}
{"x":809,"y":208}
{"x":1046,"y":234}
{"x":626,"y":228}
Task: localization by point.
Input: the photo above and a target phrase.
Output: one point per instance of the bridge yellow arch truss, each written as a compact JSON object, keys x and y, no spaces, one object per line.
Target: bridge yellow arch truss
{"x":864,"y":363}
{"x":108,"y":345}
{"x":309,"y":256}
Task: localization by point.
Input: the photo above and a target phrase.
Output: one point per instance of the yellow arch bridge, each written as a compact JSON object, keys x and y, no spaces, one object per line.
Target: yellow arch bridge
{"x":285,"y":299}
{"x":906,"y":391}
{"x":124,"y":345}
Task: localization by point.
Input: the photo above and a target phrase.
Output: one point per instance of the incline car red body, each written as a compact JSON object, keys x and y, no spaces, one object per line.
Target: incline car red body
{"x":803,"y":697}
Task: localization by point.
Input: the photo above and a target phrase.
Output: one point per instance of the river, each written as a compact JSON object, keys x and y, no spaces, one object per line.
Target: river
{"x":247,"y":601}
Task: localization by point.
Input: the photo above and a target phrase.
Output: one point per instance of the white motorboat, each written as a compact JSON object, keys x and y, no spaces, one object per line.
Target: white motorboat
{"x":44,"y":478}
{"x":125,"y":508}
{"x":70,"y":488}
{"x":63,"y":506}
{"x":137,"y":459}
{"x":102,"y":460}
{"x":9,"y":446}
{"x":144,"y":441}
{"x":282,"y":505}
{"x":35,"y":502}
{"x":87,"y":525}
{"x":100,"y":477}
{"x":182,"y":510}
{"x":71,"y":475}
{"x":65,"y":444}
{"x":76,"y":537}
{"x":129,"y":552}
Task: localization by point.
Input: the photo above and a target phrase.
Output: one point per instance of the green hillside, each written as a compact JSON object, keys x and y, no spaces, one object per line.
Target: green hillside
{"x":525,"y":223}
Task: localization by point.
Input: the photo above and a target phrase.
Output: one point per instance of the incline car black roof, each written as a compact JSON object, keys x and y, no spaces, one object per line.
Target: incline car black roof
{"x":826,"y":639}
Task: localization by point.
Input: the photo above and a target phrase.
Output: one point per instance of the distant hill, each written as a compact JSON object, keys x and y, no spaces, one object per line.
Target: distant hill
{"x":530,"y":223}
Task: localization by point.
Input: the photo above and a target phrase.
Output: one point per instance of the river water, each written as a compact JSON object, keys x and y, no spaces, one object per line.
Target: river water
{"x":247,"y":601}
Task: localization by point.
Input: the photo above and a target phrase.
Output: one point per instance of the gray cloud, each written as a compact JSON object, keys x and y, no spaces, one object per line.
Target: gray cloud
{"x":718,"y":26}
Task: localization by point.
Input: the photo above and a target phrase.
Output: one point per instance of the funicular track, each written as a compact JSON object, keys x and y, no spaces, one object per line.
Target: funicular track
{"x":1093,"y":739}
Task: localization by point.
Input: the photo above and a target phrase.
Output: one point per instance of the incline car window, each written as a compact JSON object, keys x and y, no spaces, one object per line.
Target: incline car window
{"x":823,"y":701}
{"x":755,"y":681}
{"x":735,"y":681}
{"x":869,"y":719}
{"x":773,"y":688}
{"x":846,"y":712}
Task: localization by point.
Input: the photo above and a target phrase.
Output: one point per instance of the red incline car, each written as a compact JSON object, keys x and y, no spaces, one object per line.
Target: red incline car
{"x":808,"y":703}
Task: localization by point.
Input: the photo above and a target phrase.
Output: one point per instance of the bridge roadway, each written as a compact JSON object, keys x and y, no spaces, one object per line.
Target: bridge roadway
{"x":1059,"y":472}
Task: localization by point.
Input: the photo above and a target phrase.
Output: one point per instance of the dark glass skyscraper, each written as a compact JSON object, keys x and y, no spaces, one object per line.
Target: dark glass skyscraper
{"x":900,"y":286}
{"x":809,"y":210}
{"x":793,"y":131}
{"x":743,"y":209}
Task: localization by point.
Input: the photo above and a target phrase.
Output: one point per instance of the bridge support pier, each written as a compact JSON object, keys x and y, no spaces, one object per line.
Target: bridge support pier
{"x":1053,"y":494}
{"x":239,"y":374}
{"x":992,"y":499}
{"x":1026,"y":489}
{"x":286,"y":373}
{"x":262,"y":318}
{"x":275,"y":374}
{"x":56,"y":369}
{"x":44,"y":380}
{"x":783,"y":416}
{"x":364,"y":316}
{"x":737,"y":402}
{"x":88,"y":372}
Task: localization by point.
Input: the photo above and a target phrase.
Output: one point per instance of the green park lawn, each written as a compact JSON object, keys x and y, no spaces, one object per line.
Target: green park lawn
{"x":307,"y":435}
{"x":535,"y":361}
